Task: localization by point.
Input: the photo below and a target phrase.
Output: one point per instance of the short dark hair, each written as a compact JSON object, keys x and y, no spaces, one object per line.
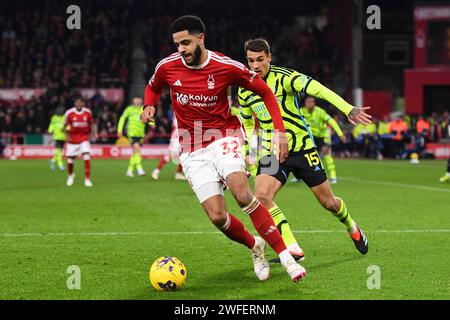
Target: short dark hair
{"x":256,"y":45}
{"x":192,"y":24}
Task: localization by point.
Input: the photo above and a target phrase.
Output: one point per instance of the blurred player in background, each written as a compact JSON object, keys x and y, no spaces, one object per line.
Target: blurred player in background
{"x":446,"y":176}
{"x":79,"y":125}
{"x":174,"y":154}
{"x":211,"y":137}
{"x":303,"y":159}
{"x":135,"y":132}
{"x":56,"y":128}
{"x":318,"y":121}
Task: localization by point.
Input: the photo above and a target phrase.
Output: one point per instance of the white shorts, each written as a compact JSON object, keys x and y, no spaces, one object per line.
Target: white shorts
{"x":207,"y":169}
{"x":74,"y":150}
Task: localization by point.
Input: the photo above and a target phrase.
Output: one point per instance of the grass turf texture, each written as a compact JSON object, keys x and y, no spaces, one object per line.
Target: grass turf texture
{"x":115,"y":230}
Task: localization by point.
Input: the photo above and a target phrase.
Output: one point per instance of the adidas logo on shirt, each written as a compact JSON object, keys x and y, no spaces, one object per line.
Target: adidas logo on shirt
{"x":177,"y":83}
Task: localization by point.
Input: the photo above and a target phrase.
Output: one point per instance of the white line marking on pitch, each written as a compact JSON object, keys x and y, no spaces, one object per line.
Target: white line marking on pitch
{"x":395,"y":184}
{"x":95,"y":234}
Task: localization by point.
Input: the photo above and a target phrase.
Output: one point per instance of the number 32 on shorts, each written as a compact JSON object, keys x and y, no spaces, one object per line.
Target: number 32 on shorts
{"x":313,"y":158}
{"x":230,"y":147}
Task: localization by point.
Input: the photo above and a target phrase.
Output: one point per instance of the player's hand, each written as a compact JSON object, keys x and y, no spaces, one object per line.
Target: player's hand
{"x":344,"y":139}
{"x":359,"y":115}
{"x":280,"y":143}
{"x":147,"y":114}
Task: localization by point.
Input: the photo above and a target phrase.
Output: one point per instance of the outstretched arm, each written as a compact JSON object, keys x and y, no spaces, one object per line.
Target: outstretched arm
{"x":301,"y":83}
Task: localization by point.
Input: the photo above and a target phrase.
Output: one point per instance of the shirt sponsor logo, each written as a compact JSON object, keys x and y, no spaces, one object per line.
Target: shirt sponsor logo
{"x":79,"y":124}
{"x":199,"y":100}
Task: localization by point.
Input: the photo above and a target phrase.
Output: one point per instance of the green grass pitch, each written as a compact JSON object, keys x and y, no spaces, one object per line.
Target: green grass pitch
{"x":115,"y":230}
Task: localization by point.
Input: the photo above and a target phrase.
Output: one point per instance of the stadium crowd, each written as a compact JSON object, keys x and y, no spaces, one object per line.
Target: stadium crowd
{"x":396,"y":136}
{"x":38,"y":51}
{"x":309,"y":49}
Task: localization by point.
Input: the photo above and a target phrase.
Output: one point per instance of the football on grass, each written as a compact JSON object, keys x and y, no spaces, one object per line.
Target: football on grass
{"x":168,"y":274}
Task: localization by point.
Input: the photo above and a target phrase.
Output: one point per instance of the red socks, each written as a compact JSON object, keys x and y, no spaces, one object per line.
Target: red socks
{"x":162,"y":163}
{"x":70,"y":167}
{"x":235,"y":230}
{"x":87,"y":169}
{"x":263,"y":222}
{"x":180,"y":168}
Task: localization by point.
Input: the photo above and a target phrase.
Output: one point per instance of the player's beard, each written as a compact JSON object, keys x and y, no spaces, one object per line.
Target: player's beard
{"x":196,"y":55}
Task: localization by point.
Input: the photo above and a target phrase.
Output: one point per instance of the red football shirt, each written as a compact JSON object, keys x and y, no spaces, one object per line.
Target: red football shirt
{"x":79,"y":123}
{"x":199,"y":97}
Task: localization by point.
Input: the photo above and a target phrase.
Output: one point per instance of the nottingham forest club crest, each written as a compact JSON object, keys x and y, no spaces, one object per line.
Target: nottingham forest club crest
{"x":211,"y":82}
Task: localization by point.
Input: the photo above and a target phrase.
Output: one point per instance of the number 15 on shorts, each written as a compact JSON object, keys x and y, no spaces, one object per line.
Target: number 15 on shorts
{"x":313,"y":158}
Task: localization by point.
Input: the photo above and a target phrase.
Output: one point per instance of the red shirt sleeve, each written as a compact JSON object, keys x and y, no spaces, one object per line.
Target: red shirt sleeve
{"x":251,"y":81}
{"x":155,"y":86}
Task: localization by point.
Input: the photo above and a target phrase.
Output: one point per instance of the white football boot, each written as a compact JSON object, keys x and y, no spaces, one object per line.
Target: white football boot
{"x":260,"y":264}
{"x":130,"y":173}
{"x":88,"y":183}
{"x":70,"y":179}
{"x":180,"y":176}
{"x":295,"y":271}
{"x":141,"y":172}
{"x":155,"y":174}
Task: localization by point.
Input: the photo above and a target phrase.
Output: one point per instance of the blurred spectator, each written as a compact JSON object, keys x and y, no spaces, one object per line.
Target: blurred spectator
{"x":106,"y":125}
{"x":367,"y":142}
{"x":399,"y":128}
{"x":423,"y":127}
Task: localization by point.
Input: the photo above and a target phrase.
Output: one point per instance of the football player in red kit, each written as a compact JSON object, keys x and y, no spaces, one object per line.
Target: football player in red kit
{"x":211,"y":137}
{"x":79,"y":125}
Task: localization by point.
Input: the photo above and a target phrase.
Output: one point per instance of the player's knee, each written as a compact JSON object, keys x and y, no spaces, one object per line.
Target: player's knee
{"x":243,"y":197}
{"x":264,"y":197}
{"x":218,"y":218}
{"x":329,"y":203}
